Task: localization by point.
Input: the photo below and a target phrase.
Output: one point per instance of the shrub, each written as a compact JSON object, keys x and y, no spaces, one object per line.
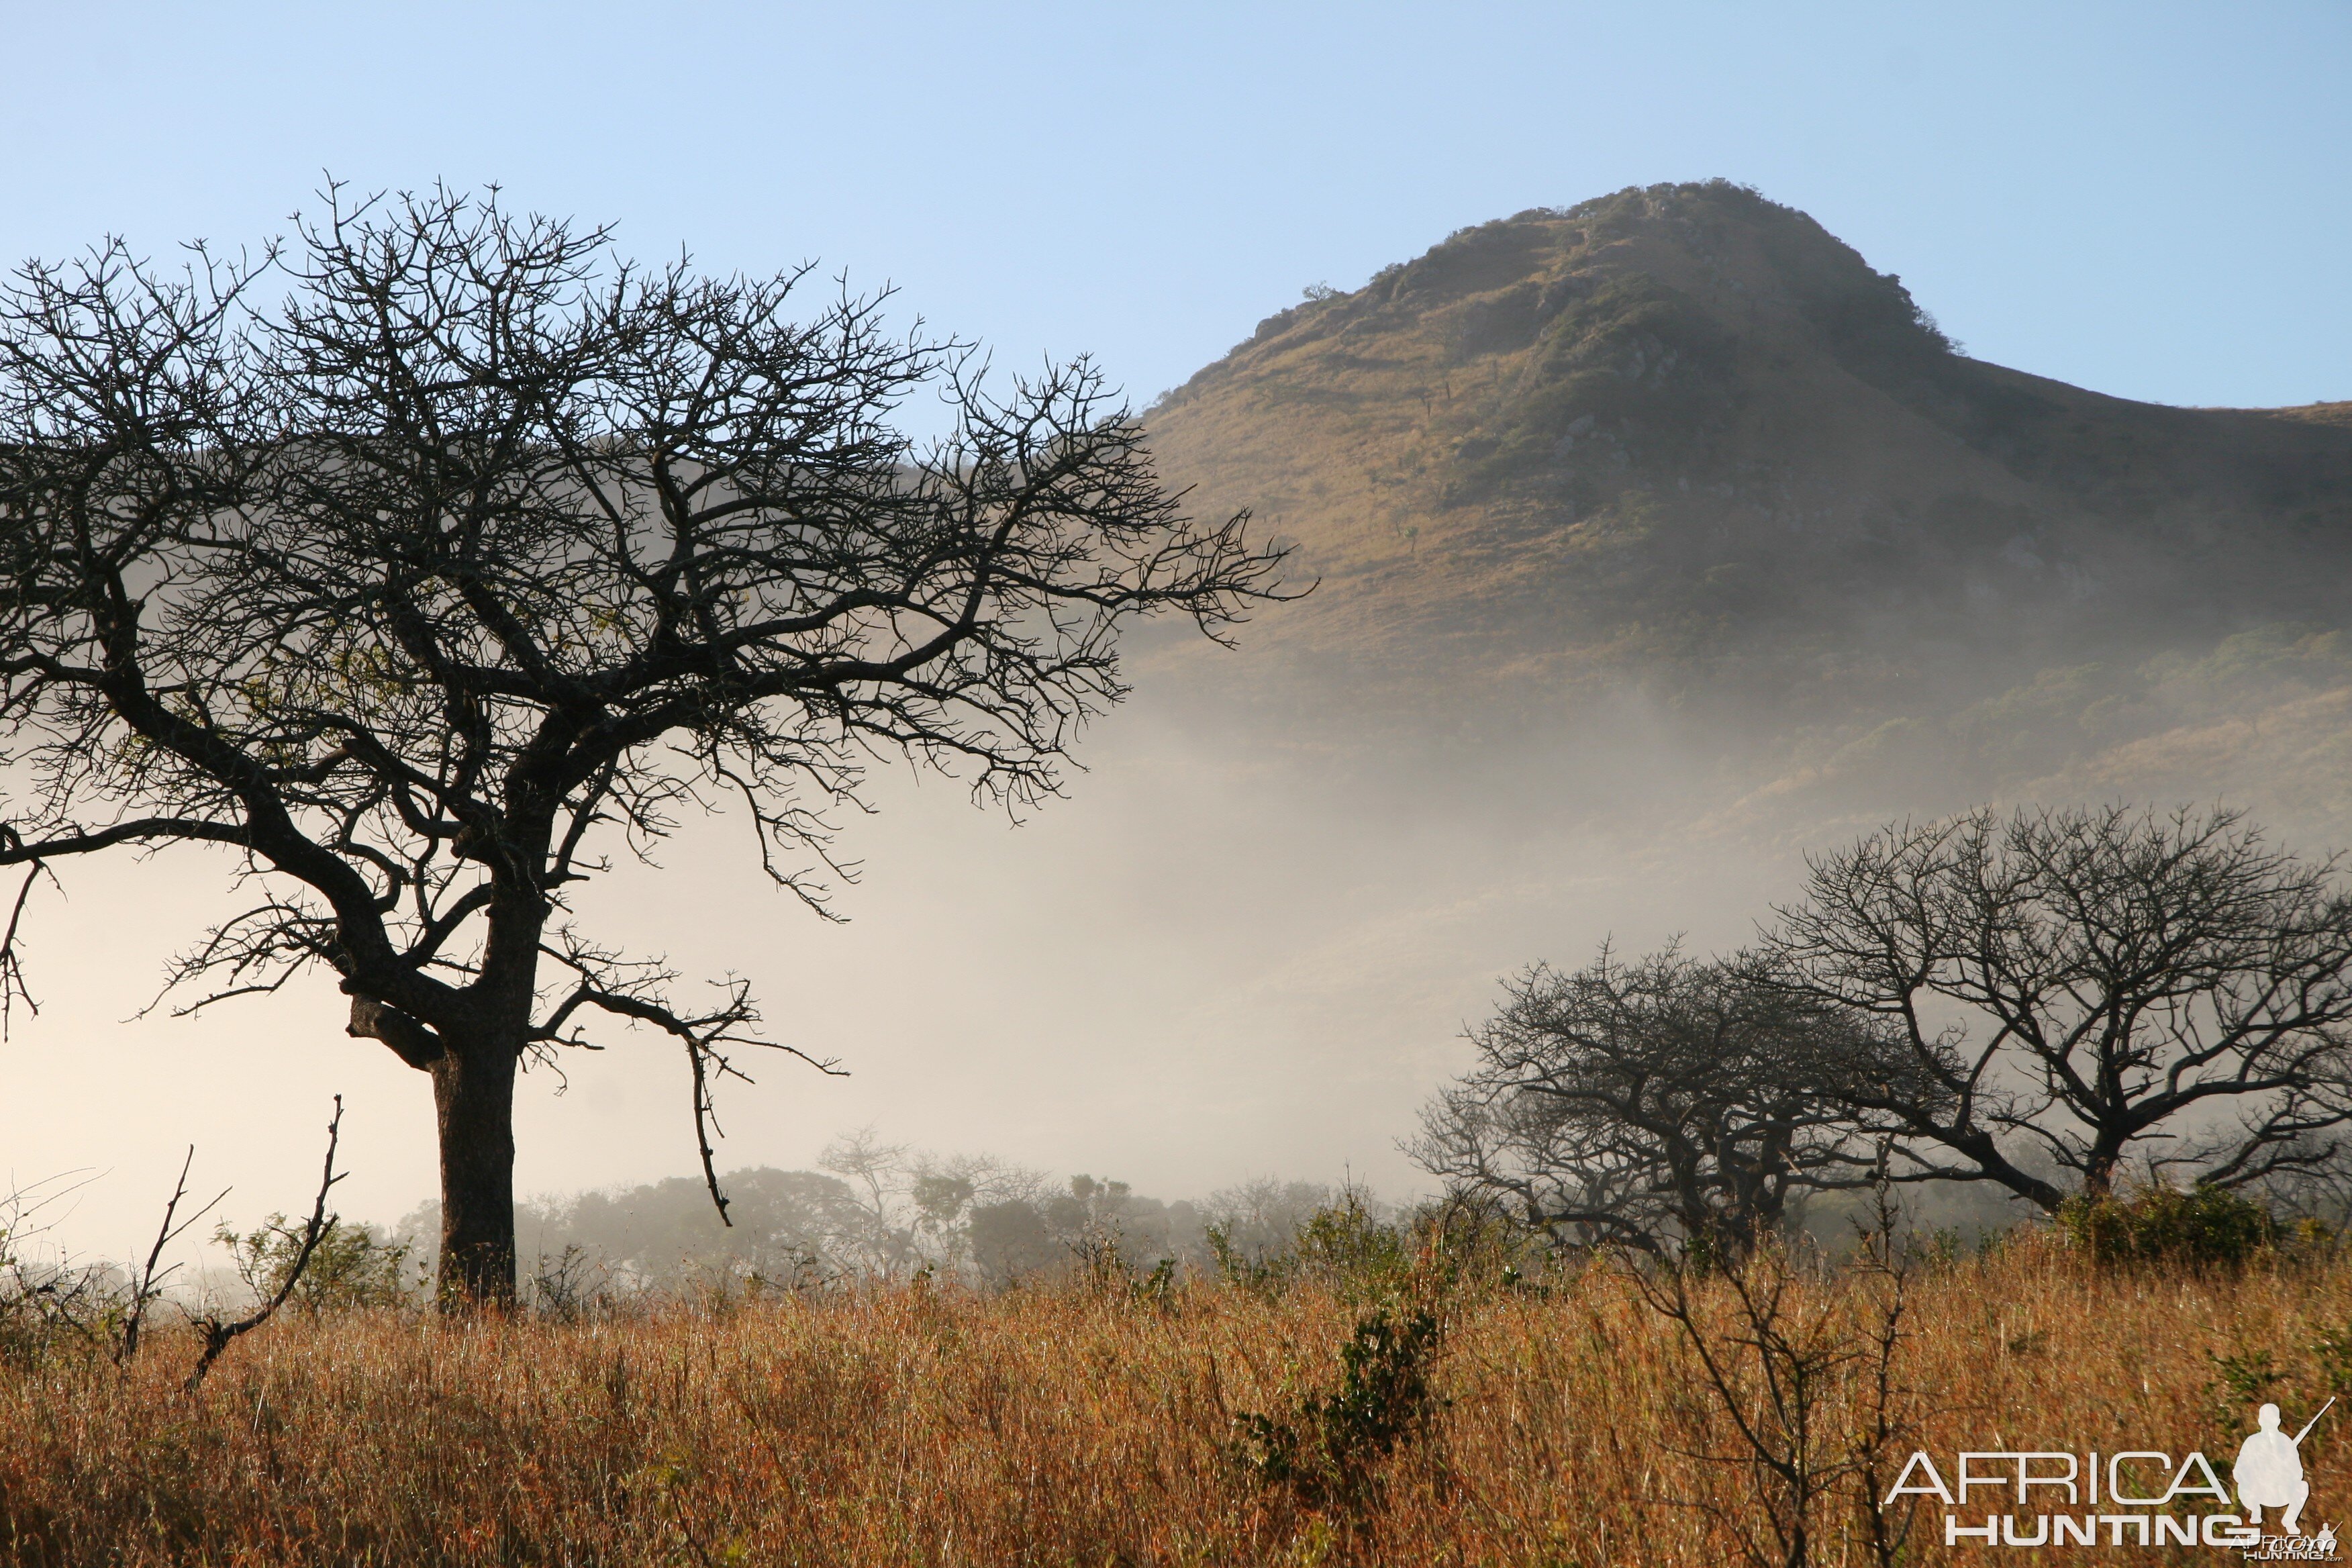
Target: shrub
{"x":50,"y":1307}
{"x":1468,"y":1240}
{"x":1350,"y":1247}
{"x":1237,"y":1267}
{"x":1325,"y":1451}
{"x":2202,"y":1227}
{"x":1106,"y":1271}
{"x":352,"y":1267}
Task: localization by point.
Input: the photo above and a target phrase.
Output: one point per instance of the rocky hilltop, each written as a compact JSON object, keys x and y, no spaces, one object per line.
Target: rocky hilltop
{"x":1682,"y":440}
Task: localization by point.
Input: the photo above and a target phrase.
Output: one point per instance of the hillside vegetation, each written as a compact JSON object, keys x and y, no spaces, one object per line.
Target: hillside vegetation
{"x":1682,"y":441}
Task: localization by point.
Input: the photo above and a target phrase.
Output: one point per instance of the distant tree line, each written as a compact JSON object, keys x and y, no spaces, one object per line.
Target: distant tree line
{"x":881,"y":1211}
{"x":2049,"y":1004}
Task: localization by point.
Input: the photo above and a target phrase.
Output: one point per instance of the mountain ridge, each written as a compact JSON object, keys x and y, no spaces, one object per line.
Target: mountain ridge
{"x":1570,"y":400}
{"x":1679,"y":440}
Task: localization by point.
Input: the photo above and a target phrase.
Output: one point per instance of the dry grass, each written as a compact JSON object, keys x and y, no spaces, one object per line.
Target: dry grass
{"x":929,"y":1427}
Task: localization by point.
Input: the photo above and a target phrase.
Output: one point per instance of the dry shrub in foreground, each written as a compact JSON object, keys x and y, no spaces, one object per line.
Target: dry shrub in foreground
{"x":1087,"y":1427}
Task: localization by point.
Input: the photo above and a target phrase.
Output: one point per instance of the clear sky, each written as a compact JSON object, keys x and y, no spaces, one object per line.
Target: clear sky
{"x":2152,"y":200}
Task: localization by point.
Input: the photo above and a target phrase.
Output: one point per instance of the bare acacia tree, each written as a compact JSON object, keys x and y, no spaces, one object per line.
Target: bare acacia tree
{"x":481,"y":555}
{"x":1661,"y":1103}
{"x":2096,"y":985}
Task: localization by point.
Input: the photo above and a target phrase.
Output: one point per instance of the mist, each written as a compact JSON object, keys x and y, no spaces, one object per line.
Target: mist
{"x":1245,"y":944}
{"x":1234,"y":949}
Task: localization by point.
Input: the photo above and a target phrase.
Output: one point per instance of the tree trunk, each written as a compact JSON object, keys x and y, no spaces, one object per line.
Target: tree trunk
{"x":2099,"y":1170}
{"x":473,"y":1100}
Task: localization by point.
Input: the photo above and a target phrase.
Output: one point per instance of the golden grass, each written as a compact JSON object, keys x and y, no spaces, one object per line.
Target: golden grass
{"x":929,"y":1426}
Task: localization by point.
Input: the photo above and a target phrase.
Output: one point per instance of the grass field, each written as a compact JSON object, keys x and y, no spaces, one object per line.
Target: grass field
{"x":1096,"y":1425}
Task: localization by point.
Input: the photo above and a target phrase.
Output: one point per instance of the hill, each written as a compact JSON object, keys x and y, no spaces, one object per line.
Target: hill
{"x":1682,"y":441}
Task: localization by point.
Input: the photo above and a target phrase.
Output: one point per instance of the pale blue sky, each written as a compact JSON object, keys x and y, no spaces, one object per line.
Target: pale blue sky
{"x":2152,"y":200}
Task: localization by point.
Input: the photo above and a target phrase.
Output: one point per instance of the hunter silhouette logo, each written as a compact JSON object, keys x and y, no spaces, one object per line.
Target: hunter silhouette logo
{"x":2269,"y":1471}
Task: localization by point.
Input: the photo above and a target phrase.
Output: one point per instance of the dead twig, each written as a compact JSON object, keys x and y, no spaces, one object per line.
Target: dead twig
{"x":147,"y":1284}
{"x":219,"y":1335}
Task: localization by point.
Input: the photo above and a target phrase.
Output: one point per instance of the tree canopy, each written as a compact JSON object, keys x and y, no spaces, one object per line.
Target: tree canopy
{"x":431,"y":560}
{"x":2035,"y":1001}
{"x":2056,"y":992}
{"x":1668,"y":1101}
